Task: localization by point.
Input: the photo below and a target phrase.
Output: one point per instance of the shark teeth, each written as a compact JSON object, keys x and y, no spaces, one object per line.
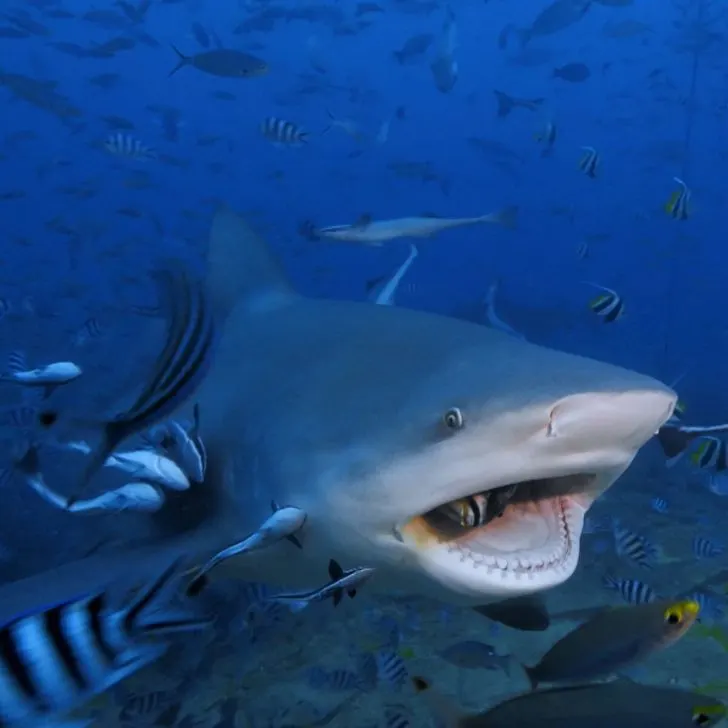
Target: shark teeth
{"x":529,"y":539}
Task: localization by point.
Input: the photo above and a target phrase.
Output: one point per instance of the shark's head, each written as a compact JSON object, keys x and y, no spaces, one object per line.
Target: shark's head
{"x":474,"y":478}
{"x":456,"y":460}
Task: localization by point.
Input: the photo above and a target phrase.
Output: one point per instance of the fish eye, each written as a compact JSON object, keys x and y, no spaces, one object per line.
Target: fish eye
{"x":673,"y":616}
{"x":700,"y":717}
{"x":453,"y":419}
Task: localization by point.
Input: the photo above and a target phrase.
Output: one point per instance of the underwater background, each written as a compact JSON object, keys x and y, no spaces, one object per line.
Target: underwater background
{"x":605,"y":125}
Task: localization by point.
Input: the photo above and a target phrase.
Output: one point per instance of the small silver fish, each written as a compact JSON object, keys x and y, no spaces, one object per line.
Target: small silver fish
{"x":48,"y":377}
{"x":283,"y":524}
{"x":341,"y":581}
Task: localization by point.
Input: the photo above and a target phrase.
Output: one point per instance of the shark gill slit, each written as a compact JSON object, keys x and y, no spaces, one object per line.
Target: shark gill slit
{"x":552,"y":500}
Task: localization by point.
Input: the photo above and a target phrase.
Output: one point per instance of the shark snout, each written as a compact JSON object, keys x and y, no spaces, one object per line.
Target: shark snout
{"x":626,"y":419}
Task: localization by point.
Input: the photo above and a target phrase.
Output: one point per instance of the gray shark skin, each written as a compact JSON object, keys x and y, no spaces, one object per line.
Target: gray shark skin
{"x":352,"y":413}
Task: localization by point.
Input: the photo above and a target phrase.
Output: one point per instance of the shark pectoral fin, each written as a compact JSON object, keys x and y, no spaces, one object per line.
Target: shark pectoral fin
{"x":294,"y":541}
{"x":351,"y":593}
{"x":336,"y":598}
{"x":674,"y":441}
{"x":241,"y":267}
{"x":527,"y":613}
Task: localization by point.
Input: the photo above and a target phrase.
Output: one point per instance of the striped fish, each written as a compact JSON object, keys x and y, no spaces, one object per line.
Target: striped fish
{"x":711,"y":453}
{"x":704,"y":548}
{"x":282,"y":132}
{"x":138,"y":708}
{"x":54,"y":660}
{"x":633,"y":591}
{"x":123,"y":145}
{"x":91,"y":330}
{"x":659,"y":505}
{"x":334,"y":680}
{"x":391,"y":668}
{"x":177,"y":372}
{"x":609,"y":304}
{"x":632,"y":546}
{"x":589,"y":162}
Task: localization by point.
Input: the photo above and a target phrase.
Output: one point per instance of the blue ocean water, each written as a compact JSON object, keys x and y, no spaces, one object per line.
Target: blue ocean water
{"x":347,"y":114}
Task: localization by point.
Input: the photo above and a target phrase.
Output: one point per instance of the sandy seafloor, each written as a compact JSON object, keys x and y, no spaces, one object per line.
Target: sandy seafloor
{"x":207,"y":682}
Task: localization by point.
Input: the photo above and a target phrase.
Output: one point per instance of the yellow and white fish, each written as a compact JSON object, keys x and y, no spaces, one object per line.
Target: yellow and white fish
{"x":609,"y":304}
{"x":679,"y":207}
{"x":589,"y":162}
{"x":375,"y":232}
{"x":712,"y":453}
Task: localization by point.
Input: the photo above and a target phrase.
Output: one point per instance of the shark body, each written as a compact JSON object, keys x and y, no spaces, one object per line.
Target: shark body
{"x":375,"y":421}
{"x":456,"y":461}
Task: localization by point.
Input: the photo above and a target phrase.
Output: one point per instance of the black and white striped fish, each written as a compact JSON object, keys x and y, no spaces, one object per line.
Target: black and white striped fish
{"x":712,"y":453}
{"x":176,"y":374}
{"x":282,"y":132}
{"x":391,"y":668}
{"x":632,"y":591}
{"x":632,"y":546}
{"x":54,"y":659}
{"x":91,"y":330}
{"x":123,"y":145}
{"x":704,"y":548}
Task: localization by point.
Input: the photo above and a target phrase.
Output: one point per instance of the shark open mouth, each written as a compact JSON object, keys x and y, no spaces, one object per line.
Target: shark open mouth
{"x":526,"y":531}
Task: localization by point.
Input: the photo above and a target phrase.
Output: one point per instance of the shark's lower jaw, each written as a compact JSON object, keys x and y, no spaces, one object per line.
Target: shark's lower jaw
{"x":526,"y":539}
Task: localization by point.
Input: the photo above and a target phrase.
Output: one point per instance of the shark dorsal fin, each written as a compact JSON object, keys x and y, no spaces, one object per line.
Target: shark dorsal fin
{"x":241,"y":267}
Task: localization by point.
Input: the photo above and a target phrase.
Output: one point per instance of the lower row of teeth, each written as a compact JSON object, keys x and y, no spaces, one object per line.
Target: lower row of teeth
{"x":558,"y":555}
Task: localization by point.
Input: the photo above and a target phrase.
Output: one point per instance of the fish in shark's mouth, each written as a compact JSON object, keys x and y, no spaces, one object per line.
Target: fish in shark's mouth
{"x":527,"y":531}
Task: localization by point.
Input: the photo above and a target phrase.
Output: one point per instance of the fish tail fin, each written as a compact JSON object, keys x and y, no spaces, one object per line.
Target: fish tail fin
{"x":507,"y":217}
{"x":182,"y":61}
{"x":17,"y":362}
{"x":674,"y":441}
{"x":505,"y":103}
{"x":153,"y":611}
{"x":443,"y":709}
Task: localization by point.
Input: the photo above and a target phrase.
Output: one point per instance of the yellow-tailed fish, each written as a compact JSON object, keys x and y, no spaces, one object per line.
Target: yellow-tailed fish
{"x":678,"y":206}
{"x":614,"y":639}
{"x":589,"y":162}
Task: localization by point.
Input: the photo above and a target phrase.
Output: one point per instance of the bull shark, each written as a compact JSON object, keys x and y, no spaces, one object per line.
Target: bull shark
{"x":375,"y":420}
{"x":384,"y":426}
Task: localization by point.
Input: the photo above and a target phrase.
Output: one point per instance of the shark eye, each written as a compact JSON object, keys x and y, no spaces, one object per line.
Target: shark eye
{"x":454,"y":419}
